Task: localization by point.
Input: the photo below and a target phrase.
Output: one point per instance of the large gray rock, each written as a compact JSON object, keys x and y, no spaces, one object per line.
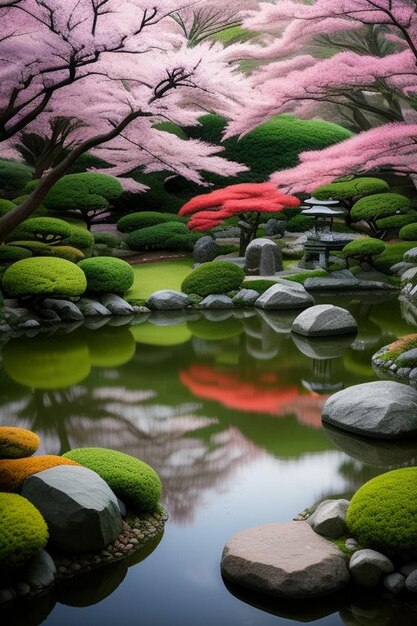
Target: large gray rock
{"x":275,"y":227}
{"x":205,"y":249}
{"x":409,"y":275}
{"x":329,"y":519}
{"x":246,"y":297}
{"x":41,"y":570}
{"x":394,"y":582}
{"x":92,"y":308}
{"x":286,"y":560}
{"x":382,"y":409}
{"x":281,"y":296}
{"x":324,"y":320}
{"x":367,"y":567}
{"x":80,"y":509}
{"x":411,"y":255}
{"x":401,"y":267}
{"x":345,"y":284}
{"x":167,"y":300}
{"x":67,"y":311}
{"x":263,"y":258}
{"x":216,"y":301}
{"x":116,"y":305}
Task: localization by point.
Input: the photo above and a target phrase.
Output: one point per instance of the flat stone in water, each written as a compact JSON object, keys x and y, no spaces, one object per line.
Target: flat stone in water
{"x":286,"y":560}
{"x":324,"y":320}
{"x":285,"y":296}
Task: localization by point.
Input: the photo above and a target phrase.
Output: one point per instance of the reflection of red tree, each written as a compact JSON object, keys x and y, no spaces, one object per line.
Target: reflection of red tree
{"x":262,"y":396}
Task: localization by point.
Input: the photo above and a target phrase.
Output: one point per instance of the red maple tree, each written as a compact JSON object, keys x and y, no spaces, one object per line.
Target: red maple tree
{"x":245,"y":200}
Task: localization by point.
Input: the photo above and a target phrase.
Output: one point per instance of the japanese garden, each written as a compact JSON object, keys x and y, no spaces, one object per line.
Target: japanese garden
{"x":208,"y":312}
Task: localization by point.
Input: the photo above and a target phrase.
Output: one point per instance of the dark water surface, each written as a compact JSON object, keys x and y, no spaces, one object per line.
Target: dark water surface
{"x":227,"y":410}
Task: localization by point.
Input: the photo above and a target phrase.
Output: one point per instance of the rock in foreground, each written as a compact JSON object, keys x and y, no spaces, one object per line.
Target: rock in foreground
{"x":285,"y":560}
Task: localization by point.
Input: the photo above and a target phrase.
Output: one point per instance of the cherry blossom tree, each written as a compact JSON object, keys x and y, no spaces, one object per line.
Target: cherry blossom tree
{"x":114,"y":69}
{"x":363,"y":69}
{"x":245,"y":200}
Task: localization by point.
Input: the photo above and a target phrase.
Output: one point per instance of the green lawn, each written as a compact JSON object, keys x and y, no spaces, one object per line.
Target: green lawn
{"x":150,"y":277}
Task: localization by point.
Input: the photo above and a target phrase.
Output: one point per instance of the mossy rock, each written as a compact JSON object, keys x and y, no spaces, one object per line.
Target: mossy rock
{"x":214,"y":277}
{"x":133,"y":481}
{"x":153,"y":335}
{"x":23,"y":532}
{"x":13,"y":472}
{"x":44,"y":276}
{"x":382,"y":514}
{"x":107,"y":275}
{"x":17,"y":443}
{"x":260,"y":285}
{"x":47,"y":363}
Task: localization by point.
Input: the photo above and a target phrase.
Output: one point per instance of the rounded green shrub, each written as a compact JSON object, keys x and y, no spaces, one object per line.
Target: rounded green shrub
{"x":168,"y":236}
{"x":136,"y":221}
{"x":379,"y":205}
{"x":108,"y":239}
{"x":345,"y":189}
{"x":14,"y":175}
{"x":64,"y":252}
{"x":44,"y":276}
{"x":382,"y":513}
{"x":49,"y":230}
{"x":213,"y":277}
{"x":392,"y":254}
{"x":299,"y":223}
{"x":409,"y":232}
{"x":6,"y":206}
{"x":10,"y":254}
{"x":363,"y":248}
{"x":106,"y":274}
{"x":23,"y":532}
{"x":133,"y":481}
{"x":80,"y":238}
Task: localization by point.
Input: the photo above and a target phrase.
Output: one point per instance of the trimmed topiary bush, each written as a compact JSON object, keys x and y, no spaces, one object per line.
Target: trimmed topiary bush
{"x":17,"y":443}
{"x":14,"y":471}
{"x":392,"y":254}
{"x":47,"y":230}
{"x":299,"y":224}
{"x":11,"y":254}
{"x":383,"y":211}
{"x":363,"y":250}
{"x":409,"y":232}
{"x":348,"y":189}
{"x":80,"y":238}
{"x":107,"y":274}
{"x":133,"y":481}
{"x":168,"y":236}
{"x":44,"y":276}
{"x":6,"y":206}
{"x":136,"y":221}
{"x":259,"y":285}
{"x":23,"y":532}
{"x":64,"y":252}
{"x":213,"y":277}
{"x":382,"y":513}
{"x":108,"y":239}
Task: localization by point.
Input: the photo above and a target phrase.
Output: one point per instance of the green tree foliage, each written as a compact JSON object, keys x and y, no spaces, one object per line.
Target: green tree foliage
{"x":136,"y":221}
{"x":13,"y":177}
{"x":383,"y":212}
{"x":409,"y":232}
{"x":363,"y":250}
{"x":47,"y":230}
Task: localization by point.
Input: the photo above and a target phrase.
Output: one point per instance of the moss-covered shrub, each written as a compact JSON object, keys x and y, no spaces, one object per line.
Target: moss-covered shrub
{"x":106,"y":274}
{"x":35,"y":247}
{"x":392,"y":254}
{"x":108,"y":239}
{"x":136,"y":221}
{"x":409,"y":232}
{"x":299,"y":224}
{"x":14,"y":175}
{"x":347,"y":189}
{"x":303,"y":276}
{"x":80,"y":238}
{"x":133,"y":481}
{"x":14,"y":471}
{"x":17,"y":443}
{"x":382,"y":513}
{"x":10,"y":254}
{"x":260,"y":285}
{"x":44,"y":276}
{"x":48,"y":230}
{"x":213,"y":277}
{"x":6,"y":206}
{"x":168,"y":236}
{"x":64,"y":252}
{"x":23,"y":532}
{"x":363,"y":250}
{"x":383,"y":211}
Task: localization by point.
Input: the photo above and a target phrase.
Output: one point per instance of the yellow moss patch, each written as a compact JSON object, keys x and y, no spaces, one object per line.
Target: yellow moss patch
{"x":16,"y":443}
{"x":14,"y":471}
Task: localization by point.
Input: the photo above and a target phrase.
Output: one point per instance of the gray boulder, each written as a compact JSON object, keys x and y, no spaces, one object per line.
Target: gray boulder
{"x":289,"y":296}
{"x":395,"y":582}
{"x":246,"y":297}
{"x":263,"y":258}
{"x":92,"y":308}
{"x":116,"y":305}
{"x":411,"y":582}
{"x":167,"y":300}
{"x":367,"y":567}
{"x":80,"y":509}
{"x":401,"y":267}
{"x":408,"y":568}
{"x":405,"y":357}
{"x":205,"y":249}
{"x":323,"y":320}
{"x":275,"y":227}
{"x":381,"y":409}
{"x":286,"y":560}
{"x":409,"y":275}
{"x":41,"y":571}
{"x":329,"y":519}
{"x":411,"y":255}
{"x":216,"y":301}
{"x":67,"y":311}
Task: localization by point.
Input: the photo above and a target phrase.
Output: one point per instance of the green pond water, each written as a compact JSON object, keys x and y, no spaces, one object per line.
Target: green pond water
{"x":226,"y":408}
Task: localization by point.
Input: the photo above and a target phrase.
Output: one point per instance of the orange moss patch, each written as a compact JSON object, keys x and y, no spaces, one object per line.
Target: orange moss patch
{"x":16,"y":443}
{"x":403,"y":344}
{"x":14,"y":471}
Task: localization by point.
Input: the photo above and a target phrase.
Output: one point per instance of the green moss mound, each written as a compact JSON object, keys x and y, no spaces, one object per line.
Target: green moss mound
{"x":10,"y":254}
{"x":23,"y":532}
{"x":17,"y":443}
{"x":392,"y":254}
{"x":382,"y":513}
{"x":303,"y":276}
{"x":260,"y":285}
{"x":47,"y":362}
{"x":214,"y":277}
{"x":65,"y":252}
{"x":133,"y":481}
{"x":363,"y":249}
{"x":44,"y":276}
{"x":167,"y":236}
{"x":6,"y":206}
{"x":398,"y":347}
{"x":107,"y":275}
{"x":409,"y":232}
{"x":136,"y":221}
{"x":80,"y":238}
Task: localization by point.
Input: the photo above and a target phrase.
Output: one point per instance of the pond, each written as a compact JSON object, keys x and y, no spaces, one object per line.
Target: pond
{"x":227,"y":409}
